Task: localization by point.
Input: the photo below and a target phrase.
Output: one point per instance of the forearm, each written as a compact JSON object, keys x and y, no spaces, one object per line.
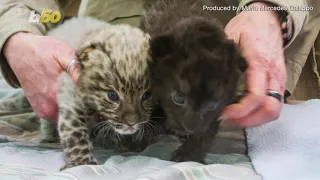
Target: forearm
{"x":14,"y":17}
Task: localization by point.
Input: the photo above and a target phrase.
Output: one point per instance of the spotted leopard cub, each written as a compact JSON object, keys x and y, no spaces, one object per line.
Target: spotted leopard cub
{"x":111,"y":98}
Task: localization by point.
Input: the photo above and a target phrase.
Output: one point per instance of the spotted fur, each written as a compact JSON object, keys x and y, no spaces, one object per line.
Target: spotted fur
{"x":17,"y":103}
{"x":111,"y":98}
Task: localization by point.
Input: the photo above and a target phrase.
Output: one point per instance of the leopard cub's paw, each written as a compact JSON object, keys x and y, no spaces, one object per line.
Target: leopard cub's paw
{"x":183,"y":154}
{"x":74,"y":164}
{"x":131,"y":147}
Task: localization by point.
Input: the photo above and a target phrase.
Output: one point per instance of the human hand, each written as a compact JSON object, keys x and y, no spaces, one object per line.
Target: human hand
{"x":37,"y":61}
{"x":258,"y":34}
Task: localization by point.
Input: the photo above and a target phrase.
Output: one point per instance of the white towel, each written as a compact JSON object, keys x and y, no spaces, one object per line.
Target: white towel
{"x":288,"y":148}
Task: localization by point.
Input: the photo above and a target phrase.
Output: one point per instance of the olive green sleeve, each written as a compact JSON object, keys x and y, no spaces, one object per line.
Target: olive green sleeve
{"x":14,"y":17}
{"x":299,"y":16}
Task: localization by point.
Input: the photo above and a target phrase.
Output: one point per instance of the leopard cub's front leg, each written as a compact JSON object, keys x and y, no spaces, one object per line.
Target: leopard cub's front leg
{"x":75,"y":139}
{"x":196,"y":146}
{"x":72,"y":126}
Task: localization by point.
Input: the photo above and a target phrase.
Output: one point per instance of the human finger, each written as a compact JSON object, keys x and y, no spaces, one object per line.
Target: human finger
{"x":65,"y":56}
{"x":230,"y":32}
{"x":268,"y":112}
{"x":245,"y":106}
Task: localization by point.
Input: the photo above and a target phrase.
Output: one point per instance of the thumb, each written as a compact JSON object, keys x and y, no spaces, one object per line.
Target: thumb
{"x":232,"y":33}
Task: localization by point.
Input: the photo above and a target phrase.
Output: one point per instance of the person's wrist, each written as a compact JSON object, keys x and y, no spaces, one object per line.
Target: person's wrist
{"x":281,"y":16}
{"x":6,"y":64}
{"x":11,"y":41}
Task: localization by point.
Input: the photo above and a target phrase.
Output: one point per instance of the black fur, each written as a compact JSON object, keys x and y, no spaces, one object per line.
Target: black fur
{"x":192,"y":56}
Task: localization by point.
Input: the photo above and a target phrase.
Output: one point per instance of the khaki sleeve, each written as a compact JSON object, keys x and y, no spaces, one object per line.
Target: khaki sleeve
{"x":14,"y":17}
{"x":299,"y":16}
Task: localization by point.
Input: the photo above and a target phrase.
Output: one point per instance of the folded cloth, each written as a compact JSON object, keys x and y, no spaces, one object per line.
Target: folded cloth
{"x":288,"y":148}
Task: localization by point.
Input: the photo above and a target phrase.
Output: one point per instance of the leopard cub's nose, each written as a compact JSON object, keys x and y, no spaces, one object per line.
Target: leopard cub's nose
{"x":130,"y":124}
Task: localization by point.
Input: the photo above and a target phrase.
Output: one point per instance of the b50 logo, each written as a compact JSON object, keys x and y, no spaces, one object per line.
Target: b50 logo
{"x":46,"y":16}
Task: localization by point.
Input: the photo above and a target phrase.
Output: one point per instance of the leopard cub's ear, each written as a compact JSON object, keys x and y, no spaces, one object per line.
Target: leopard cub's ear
{"x":83,"y":55}
{"x":161,"y":46}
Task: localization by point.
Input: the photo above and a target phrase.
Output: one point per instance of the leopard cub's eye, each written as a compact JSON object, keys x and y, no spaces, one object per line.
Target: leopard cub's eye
{"x":113,"y":96}
{"x":178,"y":98}
{"x":147,"y":95}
